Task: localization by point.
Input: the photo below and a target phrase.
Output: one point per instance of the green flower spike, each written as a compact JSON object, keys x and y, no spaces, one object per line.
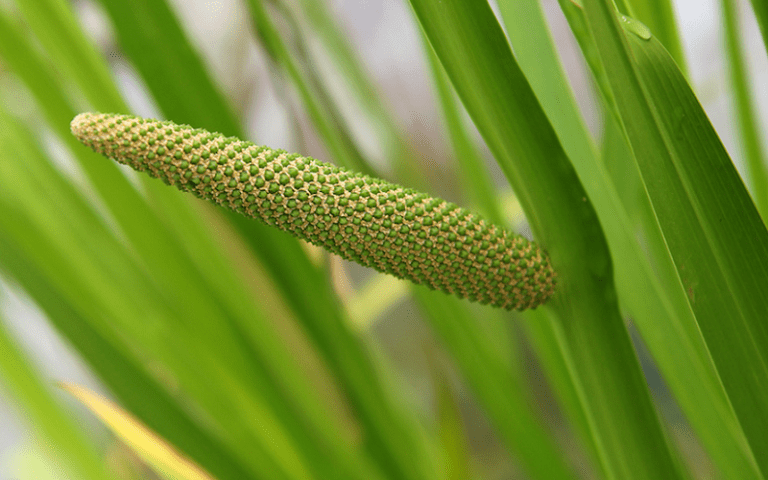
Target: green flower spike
{"x":376,"y":223}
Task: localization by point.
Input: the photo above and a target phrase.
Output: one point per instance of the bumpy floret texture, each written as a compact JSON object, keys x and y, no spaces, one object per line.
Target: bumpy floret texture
{"x":390,"y":228}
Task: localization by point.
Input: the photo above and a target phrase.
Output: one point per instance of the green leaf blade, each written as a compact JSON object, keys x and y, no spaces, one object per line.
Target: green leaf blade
{"x":51,"y":423}
{"x":497,"y":388}
{"x":649,"y":291}
{"x":474,"y":52}
{"x":760,"y":7}
{"x":659,"y":16}
{"x":748,"y":123}
{"x":57,"y":29}
{"x":152,"y":37}
{"x":711,"y":227}
{"x":394,"y":437}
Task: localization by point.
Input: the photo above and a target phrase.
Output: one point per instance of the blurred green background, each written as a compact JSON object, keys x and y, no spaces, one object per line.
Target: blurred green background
{"x":260,"y":357}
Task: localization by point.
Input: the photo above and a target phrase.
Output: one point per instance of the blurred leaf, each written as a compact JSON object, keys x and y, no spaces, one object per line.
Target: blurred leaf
{"x":760,"y":8}
{"x":374,"y":298}
{"x":57,"y":29}
{"x":63,"y":439}
{"x":394,"y":439}
{"x":151,"y":28}
{"x":44,"y":249}
{"x":369,"y":98}
{"x":744,"y":107}
{"x":471,"y":164}
{"x":498,"y":390}
{"x":314,"y":96}
{"x":456,"y":459}
{"x":152,"y":448}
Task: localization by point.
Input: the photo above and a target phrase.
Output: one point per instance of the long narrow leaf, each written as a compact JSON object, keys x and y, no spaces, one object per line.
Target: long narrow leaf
{"x":497,"y":389}
{"x":473,"y":171}
{"x":58,"y":30}
{"x":659,"y":16}
{"x":760,"y":8}
{"x":152,"y":448}
{"x":474,"y":52}
{"x":316,"y":100}
{"x":648,"y":292}
{"x":394,"y":438}
{"x":746,"y":116}
{"x":712,"y":229}
{"x":81,"y":320}
{"x":164,"y":262}
{"x":368,"y":96}
{"x":51,"y":423}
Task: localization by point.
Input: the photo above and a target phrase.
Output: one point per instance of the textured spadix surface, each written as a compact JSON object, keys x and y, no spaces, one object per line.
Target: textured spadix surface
{"x":378,"y":224}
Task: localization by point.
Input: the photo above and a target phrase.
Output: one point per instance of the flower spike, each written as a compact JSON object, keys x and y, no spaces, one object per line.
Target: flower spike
{"x":378,"y":224}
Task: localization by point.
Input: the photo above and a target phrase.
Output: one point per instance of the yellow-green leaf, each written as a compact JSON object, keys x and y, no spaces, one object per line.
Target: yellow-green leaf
{"x":163,"y":457}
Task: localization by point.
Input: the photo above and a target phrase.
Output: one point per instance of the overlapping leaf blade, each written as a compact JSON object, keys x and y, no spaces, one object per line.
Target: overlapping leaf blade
{"x":714,"y":234}
{"x":229,"y":297}
{"x":648,"y":291}
{"x":623,"y":424}
{"x":72,"y":297}
{"x":308,"y":294}
{"x":659,"y":16}
{"x":760,"y":8}
{"x":50,"y":423}
{"x":744,"y":110}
